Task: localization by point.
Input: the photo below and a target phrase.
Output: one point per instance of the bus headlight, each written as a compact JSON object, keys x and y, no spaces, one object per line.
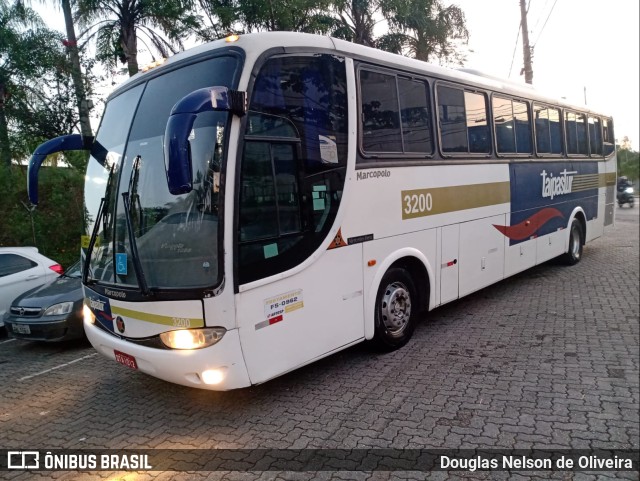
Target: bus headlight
{"x":192,"y":338}
{"x":88,"y":315}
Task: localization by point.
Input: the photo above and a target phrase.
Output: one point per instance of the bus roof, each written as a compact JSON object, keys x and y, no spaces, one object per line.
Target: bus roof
{"x":255,"y":44}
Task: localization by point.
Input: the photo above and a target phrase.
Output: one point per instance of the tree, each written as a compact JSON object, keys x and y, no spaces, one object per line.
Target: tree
{"x":424,"y":29}
{"x":628,"y":163}
{"x":36,"y":100}
{"x":421,"y":29}
{"x":71,"y":45}
{"x":239,"y":16}
{"x":354,"y":21}
{"x":118,"y":25}
{"x":76,"y":71}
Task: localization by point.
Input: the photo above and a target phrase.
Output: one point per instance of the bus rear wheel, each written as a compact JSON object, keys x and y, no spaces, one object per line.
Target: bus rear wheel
{"x":396,"y":307}
{"x":574,"y":252}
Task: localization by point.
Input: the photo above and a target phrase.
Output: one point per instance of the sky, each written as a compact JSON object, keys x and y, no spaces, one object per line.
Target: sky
{"x":585,"y":44}
{"x":581,"y":49}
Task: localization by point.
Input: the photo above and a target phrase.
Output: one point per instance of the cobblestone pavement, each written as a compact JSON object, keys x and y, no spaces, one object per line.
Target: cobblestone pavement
{"x":546,"y":359}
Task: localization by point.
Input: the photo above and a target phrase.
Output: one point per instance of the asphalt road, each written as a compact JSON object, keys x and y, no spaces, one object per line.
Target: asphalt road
{"x":547,"y":359}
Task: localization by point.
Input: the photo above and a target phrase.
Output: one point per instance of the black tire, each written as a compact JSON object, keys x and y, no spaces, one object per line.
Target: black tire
{"x":396,"y":309}
{"x":576,"y":241}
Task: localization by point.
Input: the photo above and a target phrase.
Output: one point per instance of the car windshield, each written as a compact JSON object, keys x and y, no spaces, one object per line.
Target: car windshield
{"x":176,"y":236}
{"x":75,"y":270}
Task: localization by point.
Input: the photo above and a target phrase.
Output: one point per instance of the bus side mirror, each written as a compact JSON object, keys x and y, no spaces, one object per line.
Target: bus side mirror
{"x":59,"y":144}
{"x":177,"y":152}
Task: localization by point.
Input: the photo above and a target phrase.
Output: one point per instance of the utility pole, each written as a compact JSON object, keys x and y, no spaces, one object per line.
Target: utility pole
{"x":526,"y":49}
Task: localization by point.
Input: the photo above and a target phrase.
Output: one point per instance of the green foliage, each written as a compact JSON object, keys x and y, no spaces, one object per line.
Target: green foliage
{"x":37,"y":99}
{"x":245,"y":16}
{"x":422,"y":29}
{"x":57,"y":221}
{"x":117,"y":27}
{"x":629,"y":164}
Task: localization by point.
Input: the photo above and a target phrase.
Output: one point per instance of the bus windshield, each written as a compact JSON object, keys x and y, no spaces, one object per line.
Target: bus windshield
{"x":170,"y":241}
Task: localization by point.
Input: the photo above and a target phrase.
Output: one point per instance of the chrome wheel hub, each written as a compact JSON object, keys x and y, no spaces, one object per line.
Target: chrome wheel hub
{"x":575,"y":244}
{"x":396,"y":307}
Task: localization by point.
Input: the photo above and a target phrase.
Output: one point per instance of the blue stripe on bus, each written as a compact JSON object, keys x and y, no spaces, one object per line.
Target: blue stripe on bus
{"x":542,"y":185}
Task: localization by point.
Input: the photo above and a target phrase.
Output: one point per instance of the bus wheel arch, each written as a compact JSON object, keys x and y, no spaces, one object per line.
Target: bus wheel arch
{"x":415,"y":266}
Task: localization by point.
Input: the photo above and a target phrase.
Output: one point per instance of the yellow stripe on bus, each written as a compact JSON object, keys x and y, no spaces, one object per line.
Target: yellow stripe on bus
{"x":175,"y":321}
{"x":440,"y":200}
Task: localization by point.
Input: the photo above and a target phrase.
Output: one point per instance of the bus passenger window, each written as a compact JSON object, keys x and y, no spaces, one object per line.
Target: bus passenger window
{"x":576,"y":128}
{"x":583,"y":143}
{"x":503,"y":122}
{"x":595,"y":136}
{"x":555,"y":131}
{"x":541,"y":123}
{"x":416,"y":125}
{"x":512,"y":127}
{"x":609,"y":144}
{"x":395,"y":114}
{"x":380,"y":116}
{"x":477,"y":127}
{"x":572,"y":136}
{"x":463,"y":121}
{"x":522,"y":127}
{"x":453,"y":129}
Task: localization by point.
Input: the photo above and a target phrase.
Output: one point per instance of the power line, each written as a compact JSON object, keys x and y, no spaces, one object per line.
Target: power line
{"x":545,"y":23}
{"x":540,"y":16}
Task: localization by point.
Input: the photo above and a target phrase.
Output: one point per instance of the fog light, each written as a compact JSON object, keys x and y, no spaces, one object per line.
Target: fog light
{"x":192,"y":338}
{"x":88,"y":315}
{"x":212,"y":376}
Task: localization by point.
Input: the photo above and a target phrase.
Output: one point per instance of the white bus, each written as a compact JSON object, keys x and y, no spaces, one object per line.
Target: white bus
{"x":263,"y":201}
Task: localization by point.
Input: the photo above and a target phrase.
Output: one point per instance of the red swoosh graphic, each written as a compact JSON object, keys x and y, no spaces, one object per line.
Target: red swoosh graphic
{"x":528,"y":227}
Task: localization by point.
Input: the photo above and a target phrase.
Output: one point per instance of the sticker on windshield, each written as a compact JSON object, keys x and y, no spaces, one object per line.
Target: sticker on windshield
{"x":121,"y":264}
{"x":328,"y":149}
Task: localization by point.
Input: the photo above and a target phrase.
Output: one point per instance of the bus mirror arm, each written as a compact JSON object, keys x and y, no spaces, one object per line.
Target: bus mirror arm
{"x":177,"y":151}
{"x":59,"y":144}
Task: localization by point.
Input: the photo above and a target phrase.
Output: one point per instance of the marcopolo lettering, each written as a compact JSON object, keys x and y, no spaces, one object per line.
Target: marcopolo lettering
{"x":560,"y":185}
{"x":375,"y":174}
{"x":113,"y":293}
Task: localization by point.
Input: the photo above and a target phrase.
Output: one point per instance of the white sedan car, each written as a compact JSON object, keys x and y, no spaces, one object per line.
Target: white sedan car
{"x":22,"y":269}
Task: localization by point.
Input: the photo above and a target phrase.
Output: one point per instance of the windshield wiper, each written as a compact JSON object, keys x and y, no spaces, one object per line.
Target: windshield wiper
{"x":94,"y":235}
{"x":137,"y":265}
{"x":134,"y":246}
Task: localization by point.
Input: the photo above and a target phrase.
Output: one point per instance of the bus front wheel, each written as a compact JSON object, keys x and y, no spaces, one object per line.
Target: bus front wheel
{"x":396,"y":307}
{"x":574,"y":252}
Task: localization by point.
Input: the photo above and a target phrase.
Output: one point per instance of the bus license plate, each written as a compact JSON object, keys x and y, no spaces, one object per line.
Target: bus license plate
{"x":126,"y":359}
{"x":21,"y":329}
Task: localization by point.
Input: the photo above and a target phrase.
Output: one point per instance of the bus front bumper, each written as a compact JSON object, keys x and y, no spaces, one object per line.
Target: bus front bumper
{"x":185,"y":367}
